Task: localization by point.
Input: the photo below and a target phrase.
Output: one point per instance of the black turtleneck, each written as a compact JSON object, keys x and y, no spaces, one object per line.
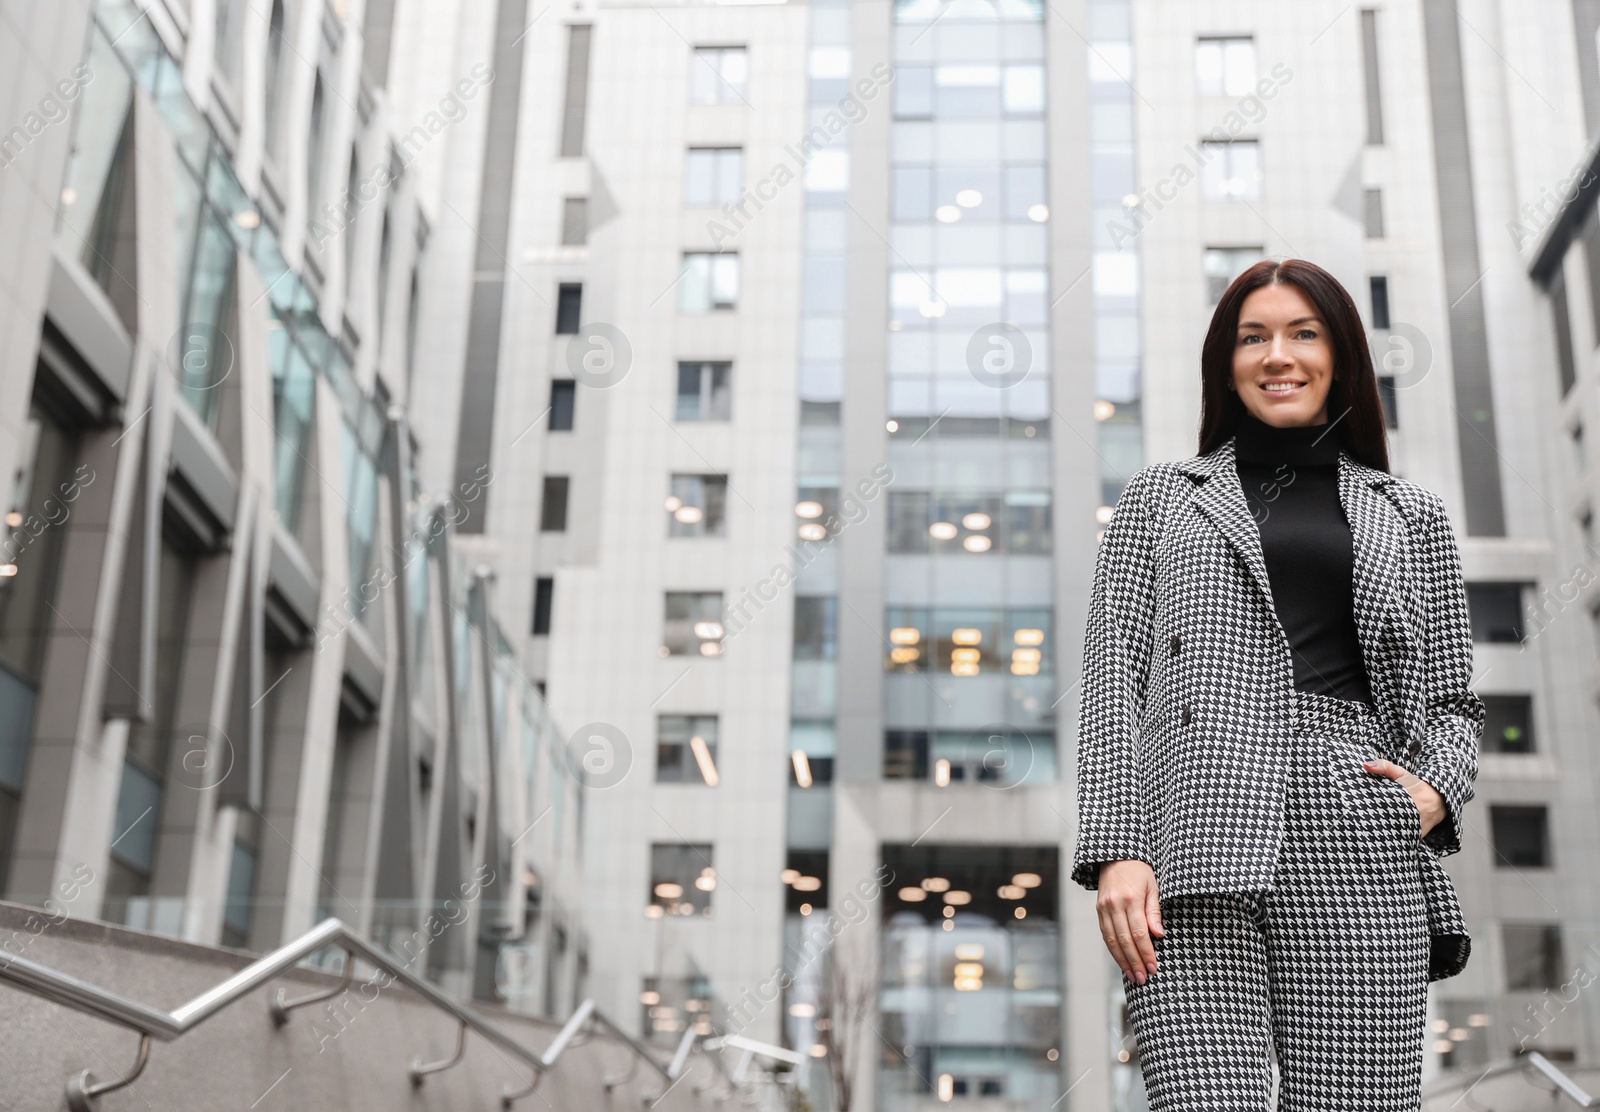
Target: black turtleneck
{"x":1290,"y":478}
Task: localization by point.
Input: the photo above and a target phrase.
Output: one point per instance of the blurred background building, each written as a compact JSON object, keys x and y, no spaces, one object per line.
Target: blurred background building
{"x":743,"y":388}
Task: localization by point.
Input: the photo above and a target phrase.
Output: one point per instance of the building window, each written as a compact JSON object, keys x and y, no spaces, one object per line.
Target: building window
{"x":1231,"y":170}
{"x":574,"y":221}
{"x":704,"y":391}
{"x":274,"y":86}
{"x":1521,"y":835}
{"x":569,"y":308}
{"x":575,"y":102}
{"x":713,"y":176}
{"x":999,"y":756}
{"x":693,"y":623}
{"x":817,"y":510}
{"x":1374,"y":212}
{"x":681,"y":879}
{"x":718,"y":75}
{"x":1533,"y":956}
{"x":1561,"y":320}
{"x":1390,"y":397}
{"x":805,"y":881}
{"x":553,"y":507}
{"x":1508,"y":724}
{"x":1225,"y":67}
{"x":1221,"y":265}
{"x":709,"y":281}
{"x":1369,"y":64}
{"x":1379,"y":286}
{"x":969,"y":642}
{"x":1016,"y":522}
{"x":1496,"y":612}
{"x":563,"y":396}
{"x":697,"y":506}
{"x":544,"y":589}
{"x":816,"y":627}
{"x":686,"y":749}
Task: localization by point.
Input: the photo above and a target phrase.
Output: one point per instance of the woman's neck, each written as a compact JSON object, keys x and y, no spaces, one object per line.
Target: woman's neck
{"x":1255,"y":441}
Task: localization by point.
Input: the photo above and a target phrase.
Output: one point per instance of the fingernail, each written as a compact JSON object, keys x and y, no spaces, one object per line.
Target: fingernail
{"x":1150,"y":965}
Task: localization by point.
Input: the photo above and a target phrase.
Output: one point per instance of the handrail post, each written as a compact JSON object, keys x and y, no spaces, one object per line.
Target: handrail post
{"x":83,"y":1090}
{"x":420,"y":1069}
{"x":281,"y":1005}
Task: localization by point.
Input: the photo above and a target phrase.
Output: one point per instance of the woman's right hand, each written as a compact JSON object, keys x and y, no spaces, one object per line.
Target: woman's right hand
{"x":1129,"y":906}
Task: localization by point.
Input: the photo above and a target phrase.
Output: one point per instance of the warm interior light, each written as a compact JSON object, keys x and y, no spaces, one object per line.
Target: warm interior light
{"x":957,"y":898}
{"x":967,"y":636}
{"x":892,"y":425}
{"x":969,"y":951}
{"x":1104,"y":410}
{"x":943,"y":530}
{"x":1027,"y":880}
{"x":673,"y":502}
{"x":965,"y":656}
{"x":977,"y":543}
{"x":947,"y":1088}
{"x":936,"y":884}
{"x":689,"y":515}
{"x":649,"y":997}
{"x":803,"y":1011}
{"x":1021,"y":913}
{"x":667,"y":890}
{"x":904,"y":655}
{"x":703,"y":758}
{"x":913,"y":895}
{"x":811,"y":531}
{"x":1028,"y":636}
{"x":960,"y":668}
{"x":789,"y":876}
{"x":802,"y":768}
{"x":941,"y":772}
{"x":1012,"y":891}
{"x":708,"y":631}
{"x":905,"y":635}
{"x":808,"y":508}
{"x":807,"y":884}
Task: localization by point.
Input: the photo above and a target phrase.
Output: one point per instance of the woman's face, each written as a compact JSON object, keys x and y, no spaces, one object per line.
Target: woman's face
{"x":1281,"y":340}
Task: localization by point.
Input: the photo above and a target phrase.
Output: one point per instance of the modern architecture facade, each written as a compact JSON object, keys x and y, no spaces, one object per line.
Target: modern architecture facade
{"x":751,"y":384}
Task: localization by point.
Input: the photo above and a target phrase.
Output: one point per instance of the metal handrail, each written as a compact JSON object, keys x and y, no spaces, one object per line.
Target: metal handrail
{"x":63,"y":988}
{"x":1535,"y":1062}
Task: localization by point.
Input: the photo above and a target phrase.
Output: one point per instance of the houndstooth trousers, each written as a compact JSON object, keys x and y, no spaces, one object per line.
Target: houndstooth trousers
{"x":1327,"y":971}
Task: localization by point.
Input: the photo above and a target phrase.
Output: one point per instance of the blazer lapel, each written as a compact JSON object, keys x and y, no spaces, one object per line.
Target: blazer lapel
{"x":1380,"y":551}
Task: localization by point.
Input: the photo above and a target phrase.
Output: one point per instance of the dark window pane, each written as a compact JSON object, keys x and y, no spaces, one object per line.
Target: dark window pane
{"x":905,"y":754}
{"x":681,"y":879}
{"x":543,"y":592}
{"x":1521,"y":836}
{"x":805,"y":880}
{"x":1533,"y":956}
{"x":815,"y":627}
{"x":1390,"y":398}
{"x":1380,"y":302}
{"x":563,"y":395}
{"x":1508,"y":725}
{"x":569,"y":308}
{"x":1496,"y":611}
{"x":553,"y":509}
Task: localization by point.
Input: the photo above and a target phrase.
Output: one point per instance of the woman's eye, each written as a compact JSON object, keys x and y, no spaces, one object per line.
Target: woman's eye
{"x":1309,"y":333}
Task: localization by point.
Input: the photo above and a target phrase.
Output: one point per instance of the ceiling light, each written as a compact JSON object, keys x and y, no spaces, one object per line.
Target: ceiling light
{"x":1038,"y":213}
{"x":811,"y":531}
{"x":905,"y":635}
{"x":936,"y":884}
{"x":977,"y":544}
{"x":807,"y":884}
{"x":976,"y":521}
{"x":943,"y":530}
{"x":947,"y":214}
{"x":1027,"y":880}
{"x":913,"y":895}
{"x":967,"y":636}
{"x":808,"y":508}
{"x":1028,"y":636}
{"x":667,"y":890}
{"x":689,"y":515}
{"x":969,"y":198}
{"x":802,"y":768}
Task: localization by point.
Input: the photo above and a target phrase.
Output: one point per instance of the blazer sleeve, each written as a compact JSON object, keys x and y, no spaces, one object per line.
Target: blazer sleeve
{"x":1447,"y":753}
{"x":1116,"y":656}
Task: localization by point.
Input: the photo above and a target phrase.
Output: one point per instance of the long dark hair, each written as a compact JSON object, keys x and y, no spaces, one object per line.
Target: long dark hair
{"x":1354,"y":408}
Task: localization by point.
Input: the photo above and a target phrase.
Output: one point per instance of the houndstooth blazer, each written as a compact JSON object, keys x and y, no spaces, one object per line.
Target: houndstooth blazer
{"x":1188,"y":685}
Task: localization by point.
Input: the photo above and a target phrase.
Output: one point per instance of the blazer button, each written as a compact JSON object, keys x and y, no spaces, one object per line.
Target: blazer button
{"x":1175,"y":643}
{"x":1186,"y":716}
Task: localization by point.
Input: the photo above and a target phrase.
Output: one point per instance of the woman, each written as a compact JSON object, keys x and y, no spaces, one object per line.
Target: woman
{"x":1278,"y":737}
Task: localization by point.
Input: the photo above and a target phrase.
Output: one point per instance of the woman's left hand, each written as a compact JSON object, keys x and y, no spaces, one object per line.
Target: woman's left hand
{"x":1427,"y":798}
